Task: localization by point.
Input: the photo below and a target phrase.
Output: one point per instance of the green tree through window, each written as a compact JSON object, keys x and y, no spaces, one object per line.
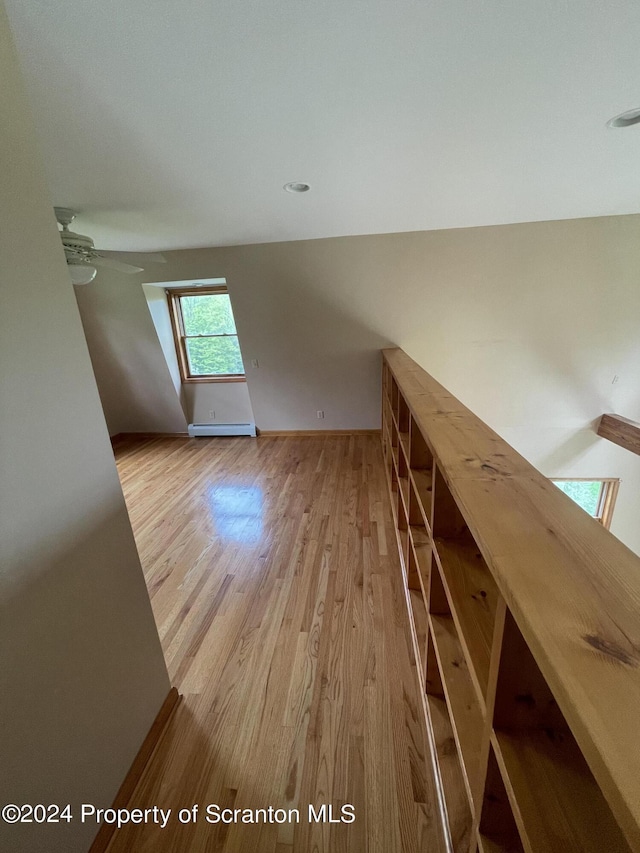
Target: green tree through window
{"x":596,"y":496}
{"x":208,"y":335}
{"x":586,"y":493}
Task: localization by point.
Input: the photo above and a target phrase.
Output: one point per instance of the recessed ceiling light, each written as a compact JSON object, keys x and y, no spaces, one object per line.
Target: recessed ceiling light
{"x":625,"y":119}
{"x":296,"y":187}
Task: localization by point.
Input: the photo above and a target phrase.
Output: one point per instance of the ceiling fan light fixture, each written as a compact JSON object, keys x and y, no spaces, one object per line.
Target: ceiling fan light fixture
{"x":625,"y":119}
{"x":81,"y":273}
{"x":82,"y":255}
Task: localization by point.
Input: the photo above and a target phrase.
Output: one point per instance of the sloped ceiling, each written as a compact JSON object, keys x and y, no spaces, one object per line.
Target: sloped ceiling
{"x":174,"y":125}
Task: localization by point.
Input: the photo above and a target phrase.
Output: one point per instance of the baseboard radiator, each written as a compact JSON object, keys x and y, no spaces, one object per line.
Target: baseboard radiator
{"x":197,"y":430}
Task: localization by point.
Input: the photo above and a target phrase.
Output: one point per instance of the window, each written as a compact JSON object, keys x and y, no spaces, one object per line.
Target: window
{"x":205,"y":335}
{"x":597,"y":497}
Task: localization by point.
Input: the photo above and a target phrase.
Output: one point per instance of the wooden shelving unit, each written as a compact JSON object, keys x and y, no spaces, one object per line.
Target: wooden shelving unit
{"x":525,"y":621}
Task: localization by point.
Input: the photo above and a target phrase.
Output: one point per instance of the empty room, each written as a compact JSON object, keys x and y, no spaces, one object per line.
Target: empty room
{"x":320,"y":427}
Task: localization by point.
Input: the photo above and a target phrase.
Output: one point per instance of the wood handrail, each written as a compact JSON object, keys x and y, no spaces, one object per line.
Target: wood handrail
{"x":572,"y":587}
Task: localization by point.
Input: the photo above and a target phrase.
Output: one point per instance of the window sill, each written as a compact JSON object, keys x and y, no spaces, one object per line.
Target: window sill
{"x":194,"y":380}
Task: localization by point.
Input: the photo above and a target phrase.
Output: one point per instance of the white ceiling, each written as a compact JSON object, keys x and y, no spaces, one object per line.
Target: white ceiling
{"x":174,"y":125}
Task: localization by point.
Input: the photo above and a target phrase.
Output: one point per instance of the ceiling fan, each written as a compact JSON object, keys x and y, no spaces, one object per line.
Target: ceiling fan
{"x":83,"y":257}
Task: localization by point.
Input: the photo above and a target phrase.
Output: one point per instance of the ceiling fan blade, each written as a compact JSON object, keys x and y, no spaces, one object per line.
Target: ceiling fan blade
{"x":141,"y":257}
{"x":111,"y":263}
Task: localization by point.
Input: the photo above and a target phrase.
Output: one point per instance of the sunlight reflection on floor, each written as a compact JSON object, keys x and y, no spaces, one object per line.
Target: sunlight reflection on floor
{"x":238,"y":512}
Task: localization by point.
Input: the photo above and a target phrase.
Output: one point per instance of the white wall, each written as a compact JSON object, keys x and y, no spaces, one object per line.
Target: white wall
{"x":159,"y":310}
{"x":136,"y":386}
{"x":228,"y":401}
{"x":81,"y":669}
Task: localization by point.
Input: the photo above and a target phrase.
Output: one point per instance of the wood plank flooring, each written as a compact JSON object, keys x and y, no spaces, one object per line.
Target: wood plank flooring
{"x":274,"y":578}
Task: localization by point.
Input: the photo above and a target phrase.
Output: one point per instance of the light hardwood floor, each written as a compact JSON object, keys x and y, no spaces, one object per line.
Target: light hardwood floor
{"x":275,"y":583}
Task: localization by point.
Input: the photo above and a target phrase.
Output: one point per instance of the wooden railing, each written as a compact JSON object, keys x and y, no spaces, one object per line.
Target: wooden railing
{"x":525,"y":619}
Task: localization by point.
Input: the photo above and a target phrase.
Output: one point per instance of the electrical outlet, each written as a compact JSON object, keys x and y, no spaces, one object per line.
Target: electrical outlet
{"x":212,"y":414}
{"x":254,"y":362}
{"x":319,"y":413}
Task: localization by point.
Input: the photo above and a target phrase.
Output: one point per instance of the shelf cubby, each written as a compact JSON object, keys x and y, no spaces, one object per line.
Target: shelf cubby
{"x":386,"y":411}
{"x":386,"y":436}
{"x":421,"y":465}
{"x":557,"y":803}
{"x":463,"y":703}
{"x":419,"y":615}
{"x":420,"y":539}
{"x":403,"y":532}
{"x":422,"y":555}
{"x":498,"y":831}
{"x":471,"y":587}
{"x":404,"y":419}
{"x":456,"y":800}
{"x":393,"y":488}
{"x":403,"y":480}
{"x":414,"y":579}
{"x":466,"y":715}
{"x":394,"y":442}
{"x":394,"y":397}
